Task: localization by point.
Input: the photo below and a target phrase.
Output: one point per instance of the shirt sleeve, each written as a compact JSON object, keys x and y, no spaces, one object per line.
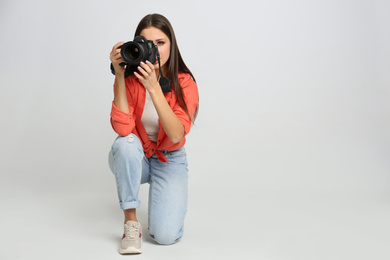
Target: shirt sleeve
{"x":122,"y":123}
{"x":190,"y":92}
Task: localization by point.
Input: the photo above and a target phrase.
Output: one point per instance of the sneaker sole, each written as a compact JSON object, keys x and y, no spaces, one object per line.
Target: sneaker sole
{"x":130,"y":250}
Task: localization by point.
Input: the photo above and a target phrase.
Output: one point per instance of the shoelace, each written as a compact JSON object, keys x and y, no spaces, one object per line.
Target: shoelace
{"x":132,"y":231}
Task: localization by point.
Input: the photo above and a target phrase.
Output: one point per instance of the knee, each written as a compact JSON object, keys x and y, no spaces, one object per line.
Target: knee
{"x":126,"y":151}
{"x":126,"y":144}
{"x":165,"y":237}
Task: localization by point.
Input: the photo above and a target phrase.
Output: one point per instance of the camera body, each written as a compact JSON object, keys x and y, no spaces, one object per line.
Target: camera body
{"x":140,"y":49}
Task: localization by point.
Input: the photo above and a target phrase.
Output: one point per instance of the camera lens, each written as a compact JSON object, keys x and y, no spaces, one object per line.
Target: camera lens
{"x":132,"y":53}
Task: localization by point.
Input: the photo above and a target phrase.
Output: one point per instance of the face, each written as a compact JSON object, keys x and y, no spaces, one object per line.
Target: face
{"x":161,"y":40}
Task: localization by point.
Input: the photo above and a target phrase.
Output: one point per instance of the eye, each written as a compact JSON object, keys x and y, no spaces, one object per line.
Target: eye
{"x":160,"y":43}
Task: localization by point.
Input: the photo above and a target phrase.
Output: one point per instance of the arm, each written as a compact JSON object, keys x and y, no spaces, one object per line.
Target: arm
{"x":173,"y":127}
{"x":120,"y":99}
{"x":122,"y":119}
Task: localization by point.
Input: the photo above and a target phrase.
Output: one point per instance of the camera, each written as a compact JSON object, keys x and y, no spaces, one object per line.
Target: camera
{"x":133,"y":52}
{"x":138,"y":50}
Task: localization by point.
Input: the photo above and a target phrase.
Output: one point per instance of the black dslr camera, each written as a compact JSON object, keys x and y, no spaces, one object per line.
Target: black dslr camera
{"x":138,"y":50}
{"x":133,"y":52}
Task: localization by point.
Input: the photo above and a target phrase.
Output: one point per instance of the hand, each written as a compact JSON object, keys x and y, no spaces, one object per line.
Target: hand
{"x":147,"y":75}
{"x":116,"y":59}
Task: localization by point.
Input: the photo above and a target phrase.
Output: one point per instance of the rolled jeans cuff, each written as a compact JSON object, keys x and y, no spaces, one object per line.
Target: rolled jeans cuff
{"x":130,"y":204}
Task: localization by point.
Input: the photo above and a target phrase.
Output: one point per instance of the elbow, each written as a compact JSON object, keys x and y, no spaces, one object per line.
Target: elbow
{"x":122,"y":129}
{"x":177,"y":135}
{"x":123,"y":132}
{"x":176,"y":138}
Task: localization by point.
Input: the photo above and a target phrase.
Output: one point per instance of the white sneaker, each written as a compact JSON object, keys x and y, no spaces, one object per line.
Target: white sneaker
{"x":132,"y":238}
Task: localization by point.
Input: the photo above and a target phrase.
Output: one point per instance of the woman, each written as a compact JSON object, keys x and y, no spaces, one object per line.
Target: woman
{"x":152,"y":126}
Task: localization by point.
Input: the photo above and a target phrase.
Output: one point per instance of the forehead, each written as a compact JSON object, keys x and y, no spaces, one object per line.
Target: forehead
{"x":153,"y":33}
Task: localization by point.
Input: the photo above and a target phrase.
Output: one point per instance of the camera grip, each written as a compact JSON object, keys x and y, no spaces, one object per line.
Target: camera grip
{"x":112,"y":69}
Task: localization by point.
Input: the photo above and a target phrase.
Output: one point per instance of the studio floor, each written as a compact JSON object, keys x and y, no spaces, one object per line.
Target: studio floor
{"x":249,"y":224}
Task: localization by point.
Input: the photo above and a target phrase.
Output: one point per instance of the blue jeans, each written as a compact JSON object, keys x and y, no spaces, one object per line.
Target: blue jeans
{"x":168,"y":191}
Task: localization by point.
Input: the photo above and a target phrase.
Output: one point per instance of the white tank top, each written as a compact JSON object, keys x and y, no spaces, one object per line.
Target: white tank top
{"x":150,"y":119}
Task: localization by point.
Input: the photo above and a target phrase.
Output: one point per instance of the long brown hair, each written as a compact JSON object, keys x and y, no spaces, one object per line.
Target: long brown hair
{"x":175,"y":62}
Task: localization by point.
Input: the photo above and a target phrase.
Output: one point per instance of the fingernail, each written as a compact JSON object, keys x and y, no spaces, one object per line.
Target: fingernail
{"x":142,"y":63}
{"x":147,"y":61}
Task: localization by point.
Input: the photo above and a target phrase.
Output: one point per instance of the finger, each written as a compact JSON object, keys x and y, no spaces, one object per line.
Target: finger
{"x":117,"y":45}
{"x":115,"y":53}
{"x":117,"y":56}
{"x":151,"y":66}
{"x":142,"y":71}
{"x":119,"y":62}
{"x":145,"y":67}
{"x":138,"y":75}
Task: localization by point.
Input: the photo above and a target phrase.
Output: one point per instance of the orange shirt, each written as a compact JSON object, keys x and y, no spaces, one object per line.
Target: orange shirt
{"x":126,"y":123}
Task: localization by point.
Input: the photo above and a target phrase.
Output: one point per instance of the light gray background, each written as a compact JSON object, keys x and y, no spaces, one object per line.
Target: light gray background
{"x":289,"y":158}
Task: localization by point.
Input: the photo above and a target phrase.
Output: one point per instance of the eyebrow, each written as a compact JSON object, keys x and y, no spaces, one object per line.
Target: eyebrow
{"x":162,"y":39}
